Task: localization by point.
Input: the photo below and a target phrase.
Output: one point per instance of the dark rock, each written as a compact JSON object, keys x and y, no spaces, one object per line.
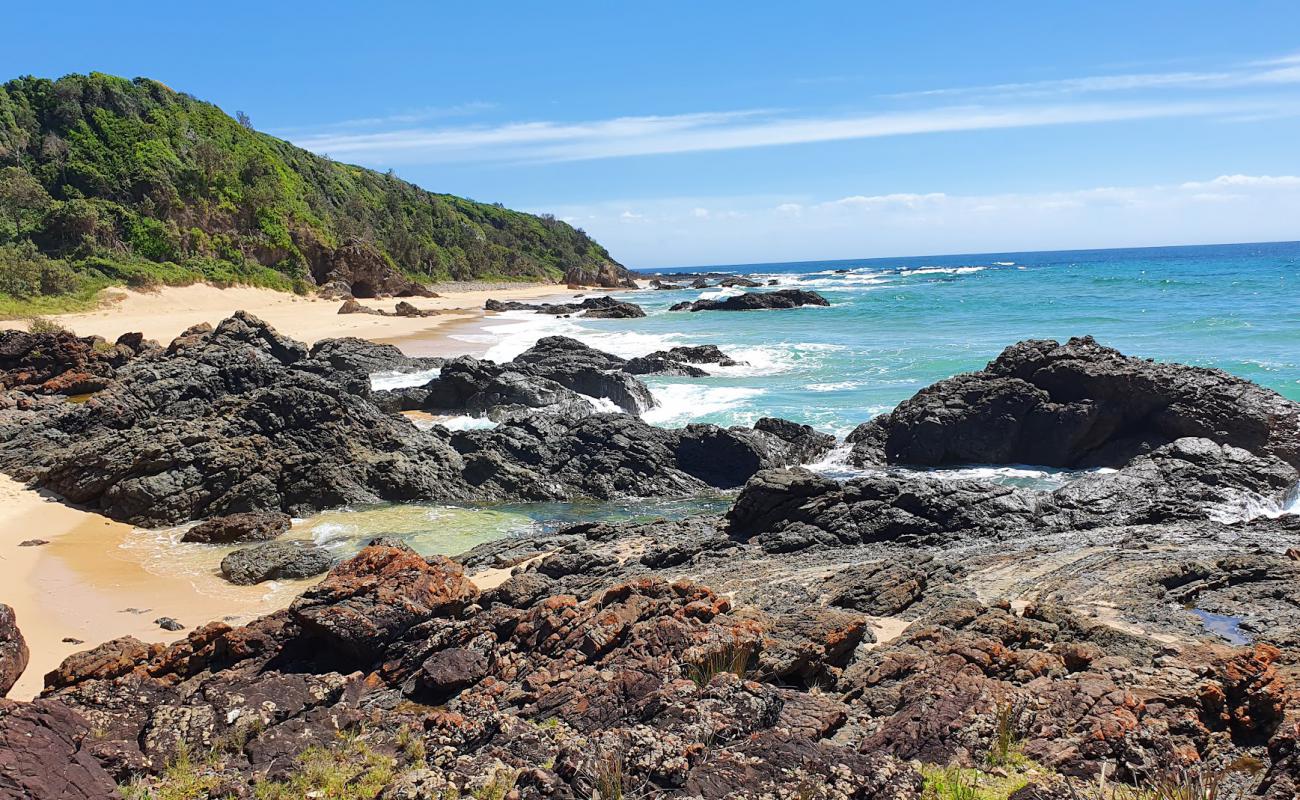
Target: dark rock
{"x":609,"y":275}
{"x":43,"y":754}
{"x":585,"y":370}
{"x":753,"y":301}
{"x":604,"y":307}
{"x":739,"y":281}
{"x":224,"y":422}
{"x":275,"y":561}
{"x":33,"y":542}
{"x":13,"y":650}
{"x":1078,"y":404}
{"x":168,"y":624}
{"x":250,"y":526}
{"x":446,"y":672}
{"x":405,"y":309}
{"x":679,"y":361}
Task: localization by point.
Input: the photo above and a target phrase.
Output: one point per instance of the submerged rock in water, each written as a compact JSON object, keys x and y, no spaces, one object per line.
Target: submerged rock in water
{"x":250,"y":526}
{"x":275,"y":561}
{"x":1077,"y":404}
{"x":753,"y":301}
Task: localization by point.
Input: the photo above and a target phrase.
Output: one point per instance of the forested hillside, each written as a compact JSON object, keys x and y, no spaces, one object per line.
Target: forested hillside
{"x":107,"y":180}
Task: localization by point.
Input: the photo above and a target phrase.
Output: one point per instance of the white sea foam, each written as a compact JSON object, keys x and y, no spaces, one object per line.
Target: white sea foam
{"x":941,"y":270}
{"x":682,"y":403}
{"x":454,"y":423}
{"x":1004,"y":263}
{"x":1250,"y":505}
{"x":602,"y":404}
{"x":396,"y":379}
{"x":838,"y":386}
{"x":721,"y":292}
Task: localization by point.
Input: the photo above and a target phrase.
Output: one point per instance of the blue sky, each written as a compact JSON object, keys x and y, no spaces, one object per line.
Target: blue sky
{"x":693,"y":133}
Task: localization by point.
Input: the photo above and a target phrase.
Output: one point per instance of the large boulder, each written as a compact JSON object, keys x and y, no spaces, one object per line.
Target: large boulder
{"x":275,"y":561}
{"x":1077,"y":404}
{"x":250,"y":526}
{"x":608,"y":274}
{"x":375,"y":596}
{"x":679,"y":361}
{"x":13,"y":650}
{"x":586,"y":371}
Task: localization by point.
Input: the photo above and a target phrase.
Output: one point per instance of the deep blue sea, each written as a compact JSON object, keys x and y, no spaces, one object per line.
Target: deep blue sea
{"x":896,"y":325}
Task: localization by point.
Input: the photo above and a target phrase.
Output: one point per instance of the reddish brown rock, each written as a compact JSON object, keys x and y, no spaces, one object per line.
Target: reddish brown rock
{"x":42,"y":755}
{"x":109,"y":660}
{"x":368,"y":600}
{"x":249,"y":526}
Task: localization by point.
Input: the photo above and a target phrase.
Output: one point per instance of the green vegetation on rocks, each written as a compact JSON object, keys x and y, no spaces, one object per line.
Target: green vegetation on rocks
{"x":107,"y":181}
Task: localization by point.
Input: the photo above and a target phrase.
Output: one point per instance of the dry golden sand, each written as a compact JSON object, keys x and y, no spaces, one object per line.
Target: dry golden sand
{"x":163,"y":314}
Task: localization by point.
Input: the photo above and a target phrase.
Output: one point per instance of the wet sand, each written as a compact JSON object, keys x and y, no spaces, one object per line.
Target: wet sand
{"x":80,"y":584}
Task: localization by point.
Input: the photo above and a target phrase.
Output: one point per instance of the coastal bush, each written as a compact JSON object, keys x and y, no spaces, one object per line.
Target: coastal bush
{"x":103,"y":171}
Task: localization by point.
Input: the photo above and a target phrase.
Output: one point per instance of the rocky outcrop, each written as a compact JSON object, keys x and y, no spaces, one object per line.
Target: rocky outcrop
{"x":604,"y":307}
{"x":13,"y":650}
{"x":1190,"y":479}
{"x":250,"y":526}
{"x":221,"y":422}
{"x":402,"y":309}
{"x":238,"y":418}
{"x":1077,"y":404}
{"x":611,"y":455}
{"x":275,"y":561}
{"x":63,"y":363}
{"x":754,"y":301}
{"x":363,"y":270}
{"x":608,"y":275}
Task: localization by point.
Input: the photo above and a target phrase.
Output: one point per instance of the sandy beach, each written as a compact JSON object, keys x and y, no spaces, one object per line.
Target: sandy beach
{"x":163,"y":314}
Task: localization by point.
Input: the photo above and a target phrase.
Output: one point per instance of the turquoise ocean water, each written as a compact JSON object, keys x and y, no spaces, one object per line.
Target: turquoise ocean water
{"x":896,"y":325}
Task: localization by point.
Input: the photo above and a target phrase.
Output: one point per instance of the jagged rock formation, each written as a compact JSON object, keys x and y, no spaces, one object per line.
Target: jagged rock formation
{"x":239,"y":418}
{"x":753,"y":301}
{"x":63,"y":363}
{"x":1077,"y":404}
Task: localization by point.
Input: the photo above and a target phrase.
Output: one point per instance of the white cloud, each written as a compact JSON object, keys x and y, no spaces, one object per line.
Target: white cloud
{"x":771,"y":228}
{"x":1245,"y":180}
{"x":705,"y":132}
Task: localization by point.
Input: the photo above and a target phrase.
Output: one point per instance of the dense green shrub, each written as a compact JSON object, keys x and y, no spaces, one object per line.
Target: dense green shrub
{"x":131,"y":181}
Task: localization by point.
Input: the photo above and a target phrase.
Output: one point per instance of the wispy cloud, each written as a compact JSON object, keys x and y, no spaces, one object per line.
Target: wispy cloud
{"x":671,"y":231}
{"x":409,"y":117}
{"x":1277,"y":71}
{"x":732,"y":130}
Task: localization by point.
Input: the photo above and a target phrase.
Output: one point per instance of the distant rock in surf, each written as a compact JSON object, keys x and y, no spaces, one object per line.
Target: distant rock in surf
{"x":754,"y":301}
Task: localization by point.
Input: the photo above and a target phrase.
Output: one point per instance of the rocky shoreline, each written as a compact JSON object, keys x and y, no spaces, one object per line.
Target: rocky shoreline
{"x":823,"y":638}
